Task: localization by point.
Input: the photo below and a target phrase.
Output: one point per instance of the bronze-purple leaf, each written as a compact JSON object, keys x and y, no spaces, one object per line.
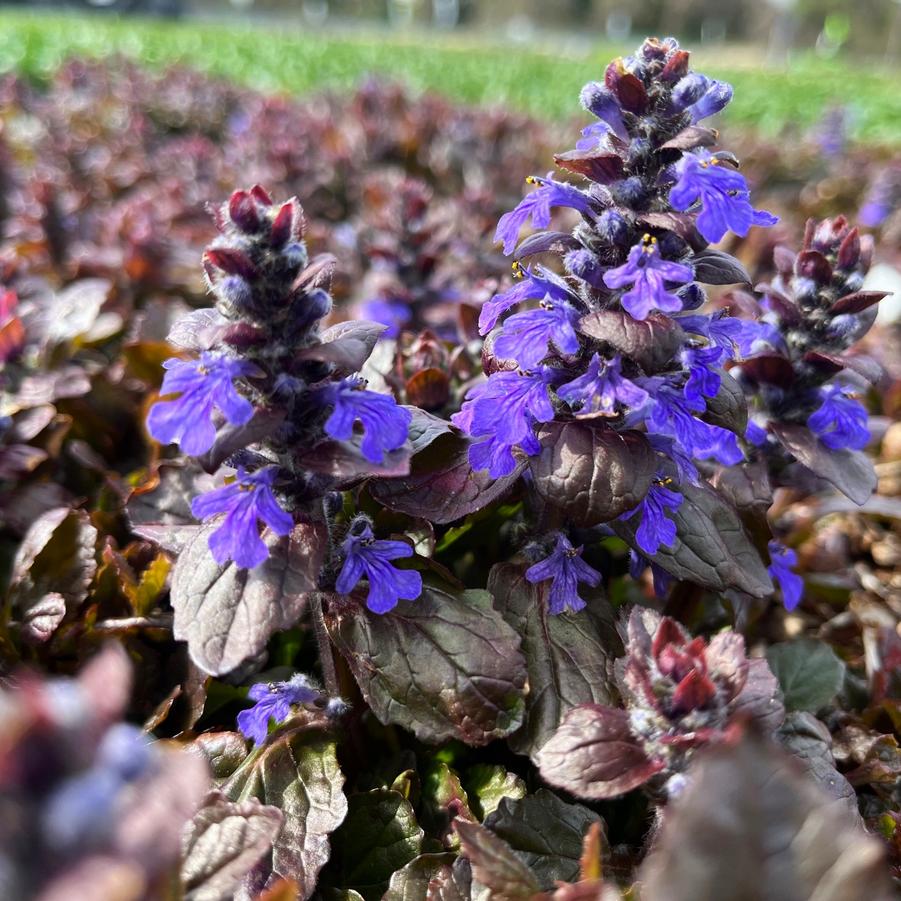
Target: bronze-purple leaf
{"x":770,"y":369}
{"x":857,"y":302}
{"x":594,"y":755}
{"x":592,"y":473}
{"x":714,"y":267}
{"x":446,"y":666}
{"x":601,"y":167}
{"x":712,"y":547}
{"x":226,"y":613}
{"x":442,"y":485}
{"x":651,"y":342}
{"x":850,"y":471}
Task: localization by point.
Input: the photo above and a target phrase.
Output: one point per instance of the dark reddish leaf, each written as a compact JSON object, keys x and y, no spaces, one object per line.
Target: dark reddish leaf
{"x":344,"y":462}
{"x":746,"y":486}
{"x":495,"y":864}
{"x":850,"y":471}
{"x":444,"y":666}
{"x":593,"y":755}
{"x":592,"y":473}
{"x":651,"y":343}
{"x":442,"y":485}
{"x":428,"y":389}
{"x":812,"y":264}
{"x":769,"y":369}
{"x":631,"y":93}
{"x":857,"y":303}
{"x":864,"y":366}
{"x":600,"y":166}
{"x":232,"y":438}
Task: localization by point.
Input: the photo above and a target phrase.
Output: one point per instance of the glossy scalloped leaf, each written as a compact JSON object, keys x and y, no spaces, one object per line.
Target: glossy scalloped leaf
{"x":592,"y":473}
{"x":850,"y":471}
{"x":651,"y":342}
{"x":593,"y":755}
{"x":495,"y":864}
{"x":445,"y":666}
{"x":222,"y":843}
{"x":569,"y":656}
{"x":712,"y":547}
{"x":750,"y":825}
{"x":227,"y":614}
{"x":379,"y":837}
{"x":809,"y":673}
{"x":296,"y":772}
{"x":546,"y":833}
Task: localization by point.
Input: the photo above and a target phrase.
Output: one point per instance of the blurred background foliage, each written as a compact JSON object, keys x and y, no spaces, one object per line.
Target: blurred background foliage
{"x":788,"y":65}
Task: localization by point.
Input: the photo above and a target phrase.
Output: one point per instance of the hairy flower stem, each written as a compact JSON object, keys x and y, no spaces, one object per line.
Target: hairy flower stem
{"x":324,"y":645}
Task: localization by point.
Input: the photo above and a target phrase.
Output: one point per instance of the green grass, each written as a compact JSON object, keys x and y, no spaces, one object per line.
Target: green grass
{"x":463,"y":68}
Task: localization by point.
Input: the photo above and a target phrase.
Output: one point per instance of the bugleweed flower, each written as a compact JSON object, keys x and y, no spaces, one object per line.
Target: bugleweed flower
{"x":202,"y":385}
{"x":367,"y":557}
{"x":656,"y":527}
{"x":274,"y":701}
{"x":781,"y":568}
{"x":680,"y":693}
{"x":614,"y":344}
{"x":243,"y":502}
{"x":647,"y":274}
{"x":602,"y":388}
{"x":565,"y":569}
{"x":840,"y":422}
{"x":385,"y":424}
{"x":723,"y":195}
{"x":283,"y":386}
{"x":394,"y":314}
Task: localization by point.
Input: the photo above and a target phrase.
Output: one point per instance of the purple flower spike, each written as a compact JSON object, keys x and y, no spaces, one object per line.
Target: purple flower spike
{"x":273,"y":702}
{"x":780,"y":569}
{"x":369,"y":558}
{"x":528,"y":337}
{"x":245,"y":501}
{"x":656,"y":528}
{"x":647,"y":273}
{"x":502,"y":412}
{"x":539,"y":284}
{"x":537,"y":206}
{"x":600,"y":390}
{"x":203,"y":385}
{"x":840,"y":422}
{"x":385,"y":424}
{"x":565,"y":568}
{"x":723,"y":193}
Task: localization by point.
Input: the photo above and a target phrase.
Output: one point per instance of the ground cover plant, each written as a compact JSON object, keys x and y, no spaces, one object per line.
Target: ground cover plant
{"x":374,"y":529}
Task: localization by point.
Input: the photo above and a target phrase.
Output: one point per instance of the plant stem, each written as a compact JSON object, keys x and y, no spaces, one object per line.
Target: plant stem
{"x":324,"y":644}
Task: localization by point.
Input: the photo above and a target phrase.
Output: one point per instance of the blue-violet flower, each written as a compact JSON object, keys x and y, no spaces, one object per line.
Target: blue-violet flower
{"x":565,"y":569}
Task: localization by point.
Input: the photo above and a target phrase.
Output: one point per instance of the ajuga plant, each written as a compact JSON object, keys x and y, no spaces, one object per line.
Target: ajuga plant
{"x":609,"y":392}
{"x":804,"y":390}
{"x":276,"y":398}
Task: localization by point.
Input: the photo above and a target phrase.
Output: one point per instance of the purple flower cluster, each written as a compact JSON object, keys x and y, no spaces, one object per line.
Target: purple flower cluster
{"x":263,"y":392}
{"x":616,"y":342}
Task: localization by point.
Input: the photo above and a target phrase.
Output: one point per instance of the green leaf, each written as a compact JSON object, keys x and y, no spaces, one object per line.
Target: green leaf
{"x":809,"y":673}
{"x":569,"y":657}
{"x":444,"y":666}
{"x":298,"y":773}
{"x":443,"y":799}
{"x":379,"y":837}
{"x":487,"y":784}
{"x":546,"y":833}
